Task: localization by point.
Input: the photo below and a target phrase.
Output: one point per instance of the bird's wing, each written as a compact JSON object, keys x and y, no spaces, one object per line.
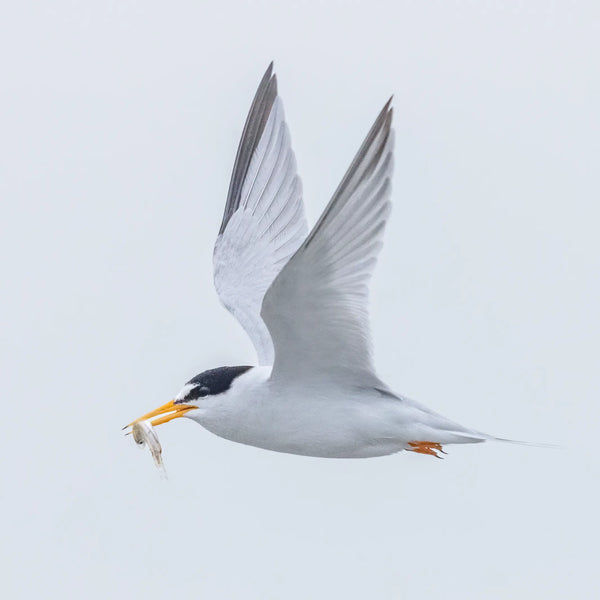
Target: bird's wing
{"x":264,"y":223}
{"x":316,"y":309}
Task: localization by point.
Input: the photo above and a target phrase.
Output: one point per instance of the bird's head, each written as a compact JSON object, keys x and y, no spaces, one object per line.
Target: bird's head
{"x":200,"y":392}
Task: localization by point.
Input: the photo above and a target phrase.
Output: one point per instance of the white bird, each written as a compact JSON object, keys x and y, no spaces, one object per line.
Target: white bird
{"x":303,"y":300}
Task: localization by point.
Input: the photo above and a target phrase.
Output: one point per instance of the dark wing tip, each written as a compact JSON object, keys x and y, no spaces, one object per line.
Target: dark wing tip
{"x":265,"y":79}
{"x":364,"y":163}
{"x":384,"y":119}
{"x":253,"y":129}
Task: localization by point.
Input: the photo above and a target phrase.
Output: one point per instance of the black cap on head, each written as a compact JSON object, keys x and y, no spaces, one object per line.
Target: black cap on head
{"x":213,"y":381}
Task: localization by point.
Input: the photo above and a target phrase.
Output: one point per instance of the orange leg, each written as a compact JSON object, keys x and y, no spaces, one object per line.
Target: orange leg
{"x":431,"y":448}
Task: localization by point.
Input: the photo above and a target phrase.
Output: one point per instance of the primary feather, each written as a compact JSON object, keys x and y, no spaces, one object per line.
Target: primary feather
{"x":317,"y":307}
{"x":264,"y":222}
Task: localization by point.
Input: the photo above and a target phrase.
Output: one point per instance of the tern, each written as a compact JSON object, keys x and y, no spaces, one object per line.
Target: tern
{"x":302,"y":298}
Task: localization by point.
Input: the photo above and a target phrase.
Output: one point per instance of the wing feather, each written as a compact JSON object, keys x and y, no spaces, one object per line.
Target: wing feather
{"x":317,"y":307}
{"x":263,"y":222}
{"x":252,"y":134}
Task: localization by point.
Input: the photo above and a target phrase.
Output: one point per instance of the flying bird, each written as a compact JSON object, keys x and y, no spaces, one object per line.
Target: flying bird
{"x":302,"y":298}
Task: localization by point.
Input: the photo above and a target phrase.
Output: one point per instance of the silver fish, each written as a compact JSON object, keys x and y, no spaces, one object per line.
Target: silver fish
{"x":144,"y":435}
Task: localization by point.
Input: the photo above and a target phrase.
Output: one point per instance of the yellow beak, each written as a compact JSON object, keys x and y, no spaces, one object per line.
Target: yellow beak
{"x":170,"y":411}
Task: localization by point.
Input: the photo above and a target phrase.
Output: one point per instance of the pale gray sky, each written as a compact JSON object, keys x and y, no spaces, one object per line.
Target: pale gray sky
{"x":119,"y":123}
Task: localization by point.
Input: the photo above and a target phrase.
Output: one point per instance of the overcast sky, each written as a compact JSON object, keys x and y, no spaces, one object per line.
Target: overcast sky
{"x":119,"y":123}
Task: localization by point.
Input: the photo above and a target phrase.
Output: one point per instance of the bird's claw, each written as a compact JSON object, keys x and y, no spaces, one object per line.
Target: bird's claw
{"x":431,"y":448}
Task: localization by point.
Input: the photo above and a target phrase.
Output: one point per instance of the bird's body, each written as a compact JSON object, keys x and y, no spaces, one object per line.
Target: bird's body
{"x":317,"y":419}
{"x":302,"y":297}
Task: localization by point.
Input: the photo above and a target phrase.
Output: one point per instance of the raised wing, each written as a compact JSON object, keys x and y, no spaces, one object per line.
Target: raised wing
{"x":264,"y":223}
{"x":317,"y":307}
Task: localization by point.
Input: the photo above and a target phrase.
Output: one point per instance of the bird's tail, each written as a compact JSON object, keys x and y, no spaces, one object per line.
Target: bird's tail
{"x":492,"y":438}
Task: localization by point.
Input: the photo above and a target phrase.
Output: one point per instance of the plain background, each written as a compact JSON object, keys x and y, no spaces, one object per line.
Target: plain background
{"x":119,"y":122}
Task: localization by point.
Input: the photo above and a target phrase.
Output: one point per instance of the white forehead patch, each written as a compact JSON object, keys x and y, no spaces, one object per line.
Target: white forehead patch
{"x":185,"y":390}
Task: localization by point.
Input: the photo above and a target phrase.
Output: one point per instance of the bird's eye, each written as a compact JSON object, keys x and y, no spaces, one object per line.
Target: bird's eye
{"x":198,"y":392}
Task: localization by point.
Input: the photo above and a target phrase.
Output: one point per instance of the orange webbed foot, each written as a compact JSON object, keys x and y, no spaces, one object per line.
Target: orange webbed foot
{"x":431,"y":448}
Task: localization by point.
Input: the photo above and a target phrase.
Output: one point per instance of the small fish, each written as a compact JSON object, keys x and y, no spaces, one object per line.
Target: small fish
{"x":144,"y":434}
